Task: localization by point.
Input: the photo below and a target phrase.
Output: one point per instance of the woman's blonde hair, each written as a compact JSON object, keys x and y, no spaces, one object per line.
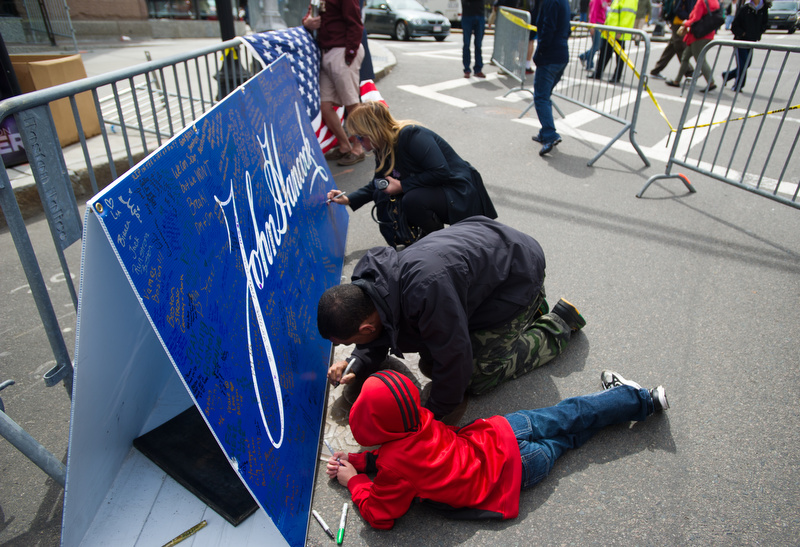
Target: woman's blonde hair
{"x":373,"y":120}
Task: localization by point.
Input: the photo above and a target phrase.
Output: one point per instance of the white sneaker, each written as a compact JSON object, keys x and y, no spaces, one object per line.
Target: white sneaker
{"x":611,"y":379}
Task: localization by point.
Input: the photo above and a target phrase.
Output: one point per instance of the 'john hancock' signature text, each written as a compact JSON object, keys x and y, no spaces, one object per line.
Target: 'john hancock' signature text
{"x":286,"y":190}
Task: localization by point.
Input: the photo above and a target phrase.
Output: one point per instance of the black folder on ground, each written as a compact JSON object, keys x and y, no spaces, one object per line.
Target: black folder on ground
{"x":187,"y":451}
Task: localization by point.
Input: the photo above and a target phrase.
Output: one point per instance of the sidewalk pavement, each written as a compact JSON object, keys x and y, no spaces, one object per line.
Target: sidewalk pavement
{"x":101,"y":58}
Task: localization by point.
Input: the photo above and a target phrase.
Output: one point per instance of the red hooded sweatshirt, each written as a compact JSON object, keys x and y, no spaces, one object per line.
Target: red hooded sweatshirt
{"x":474,"y":471}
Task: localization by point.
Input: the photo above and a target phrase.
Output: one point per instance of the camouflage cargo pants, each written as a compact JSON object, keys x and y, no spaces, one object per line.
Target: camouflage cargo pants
{"x":528,"y":341}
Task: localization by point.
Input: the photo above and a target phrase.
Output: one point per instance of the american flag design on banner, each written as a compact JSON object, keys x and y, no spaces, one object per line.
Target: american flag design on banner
{"x":304,"y":57}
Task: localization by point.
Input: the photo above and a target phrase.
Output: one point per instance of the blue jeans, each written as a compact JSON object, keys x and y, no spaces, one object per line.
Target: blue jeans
{"x":544,"y":434}
{"x":473,"y":24}
{"x":544,"y":80}
{"x":588,"y":55}
{"x":743,"y":59}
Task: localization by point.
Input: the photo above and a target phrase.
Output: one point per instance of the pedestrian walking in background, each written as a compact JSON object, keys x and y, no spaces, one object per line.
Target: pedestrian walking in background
{"x":676,"y":12}
{"x":749,"y":25}
{"x":695,"y":45}
{"x":473,"y":23}
{"x":597,"y":16}
{"x":729,"y":16}
{"x":477,"y":471}
{"x":621,"y":13}
{"x":643,"y":11}
{"x":583,"y":11}
{"x":551,"y":58}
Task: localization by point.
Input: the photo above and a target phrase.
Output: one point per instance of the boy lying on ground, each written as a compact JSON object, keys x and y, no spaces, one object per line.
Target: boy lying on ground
{"x":475,"y":471}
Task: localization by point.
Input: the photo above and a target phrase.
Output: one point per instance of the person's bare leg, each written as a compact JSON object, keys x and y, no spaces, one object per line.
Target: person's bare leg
{"x":331,"y":120}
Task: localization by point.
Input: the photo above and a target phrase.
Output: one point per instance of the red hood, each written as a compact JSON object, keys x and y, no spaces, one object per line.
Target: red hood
{"x":387,"y":409}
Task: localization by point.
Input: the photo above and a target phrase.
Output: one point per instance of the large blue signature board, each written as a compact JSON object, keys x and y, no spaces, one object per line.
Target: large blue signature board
{"x":228,"y":243}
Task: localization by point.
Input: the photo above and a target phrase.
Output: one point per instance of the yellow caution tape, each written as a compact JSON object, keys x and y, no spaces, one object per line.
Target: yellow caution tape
{"x":778,"y":111}
{"x":622,"y":55}
{"x":519,"y":22}
{"x":516,"y":20}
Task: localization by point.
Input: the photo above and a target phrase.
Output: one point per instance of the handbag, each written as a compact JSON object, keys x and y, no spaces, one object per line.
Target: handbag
{"x":388,"y":213}
{"x":709,"y":22}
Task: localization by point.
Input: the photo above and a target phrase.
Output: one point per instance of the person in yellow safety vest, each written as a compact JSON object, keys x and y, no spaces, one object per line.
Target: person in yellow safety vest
{"x":621,"y":13}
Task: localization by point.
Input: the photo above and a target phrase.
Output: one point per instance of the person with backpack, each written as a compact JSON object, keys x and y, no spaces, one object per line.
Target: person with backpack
{"x":695,"y":44}
{"x":675,"y":12}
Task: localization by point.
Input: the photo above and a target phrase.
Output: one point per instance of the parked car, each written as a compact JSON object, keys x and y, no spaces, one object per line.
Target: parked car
{"x":784,"y":14}
{"x":449,"y":8}
{"x":404,"y":19}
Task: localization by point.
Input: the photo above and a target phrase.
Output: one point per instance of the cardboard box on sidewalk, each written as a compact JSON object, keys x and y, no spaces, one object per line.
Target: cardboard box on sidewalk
{"x":36,"y":72}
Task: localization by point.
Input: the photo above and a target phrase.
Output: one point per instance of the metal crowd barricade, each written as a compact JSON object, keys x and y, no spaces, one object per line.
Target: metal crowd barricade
{"x":51,"y":19}
{"x":617,"y":101}
{"x":137,"y":109}
{"x":511,"y":45}
{"x":745,"y":138}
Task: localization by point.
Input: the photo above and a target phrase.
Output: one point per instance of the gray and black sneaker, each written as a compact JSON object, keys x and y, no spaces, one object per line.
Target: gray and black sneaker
{"x":612,"y":379}
{"x":569,"y":314}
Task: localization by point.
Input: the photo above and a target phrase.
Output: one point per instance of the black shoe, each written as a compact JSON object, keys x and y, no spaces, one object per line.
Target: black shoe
{"x":548,"y":147}
{"x":710,"y":87}
{"x":425,"y":366}
{"x":672,"y":83}
{"x":659,"y":396}
{"x":536,"y":138}
{"x":613,"y":80}
{"x":657,"y":76}
{"x":570,"y":314}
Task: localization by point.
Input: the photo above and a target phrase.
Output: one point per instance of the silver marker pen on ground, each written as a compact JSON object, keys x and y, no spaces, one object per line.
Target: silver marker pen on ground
{"x":322,"y":523}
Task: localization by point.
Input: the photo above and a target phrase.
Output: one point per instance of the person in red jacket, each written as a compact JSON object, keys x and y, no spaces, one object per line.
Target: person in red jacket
{"x":695,"y":45}
{"x":475,"y":471}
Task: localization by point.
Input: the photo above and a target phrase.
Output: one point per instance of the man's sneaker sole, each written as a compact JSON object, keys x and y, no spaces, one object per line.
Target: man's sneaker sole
{"x":610,"y":379}
{"x":659,"y":396}
{"x":570,"y":314}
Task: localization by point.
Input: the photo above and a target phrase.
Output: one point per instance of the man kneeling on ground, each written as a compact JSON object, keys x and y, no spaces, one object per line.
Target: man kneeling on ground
{"x":469,"y":299}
